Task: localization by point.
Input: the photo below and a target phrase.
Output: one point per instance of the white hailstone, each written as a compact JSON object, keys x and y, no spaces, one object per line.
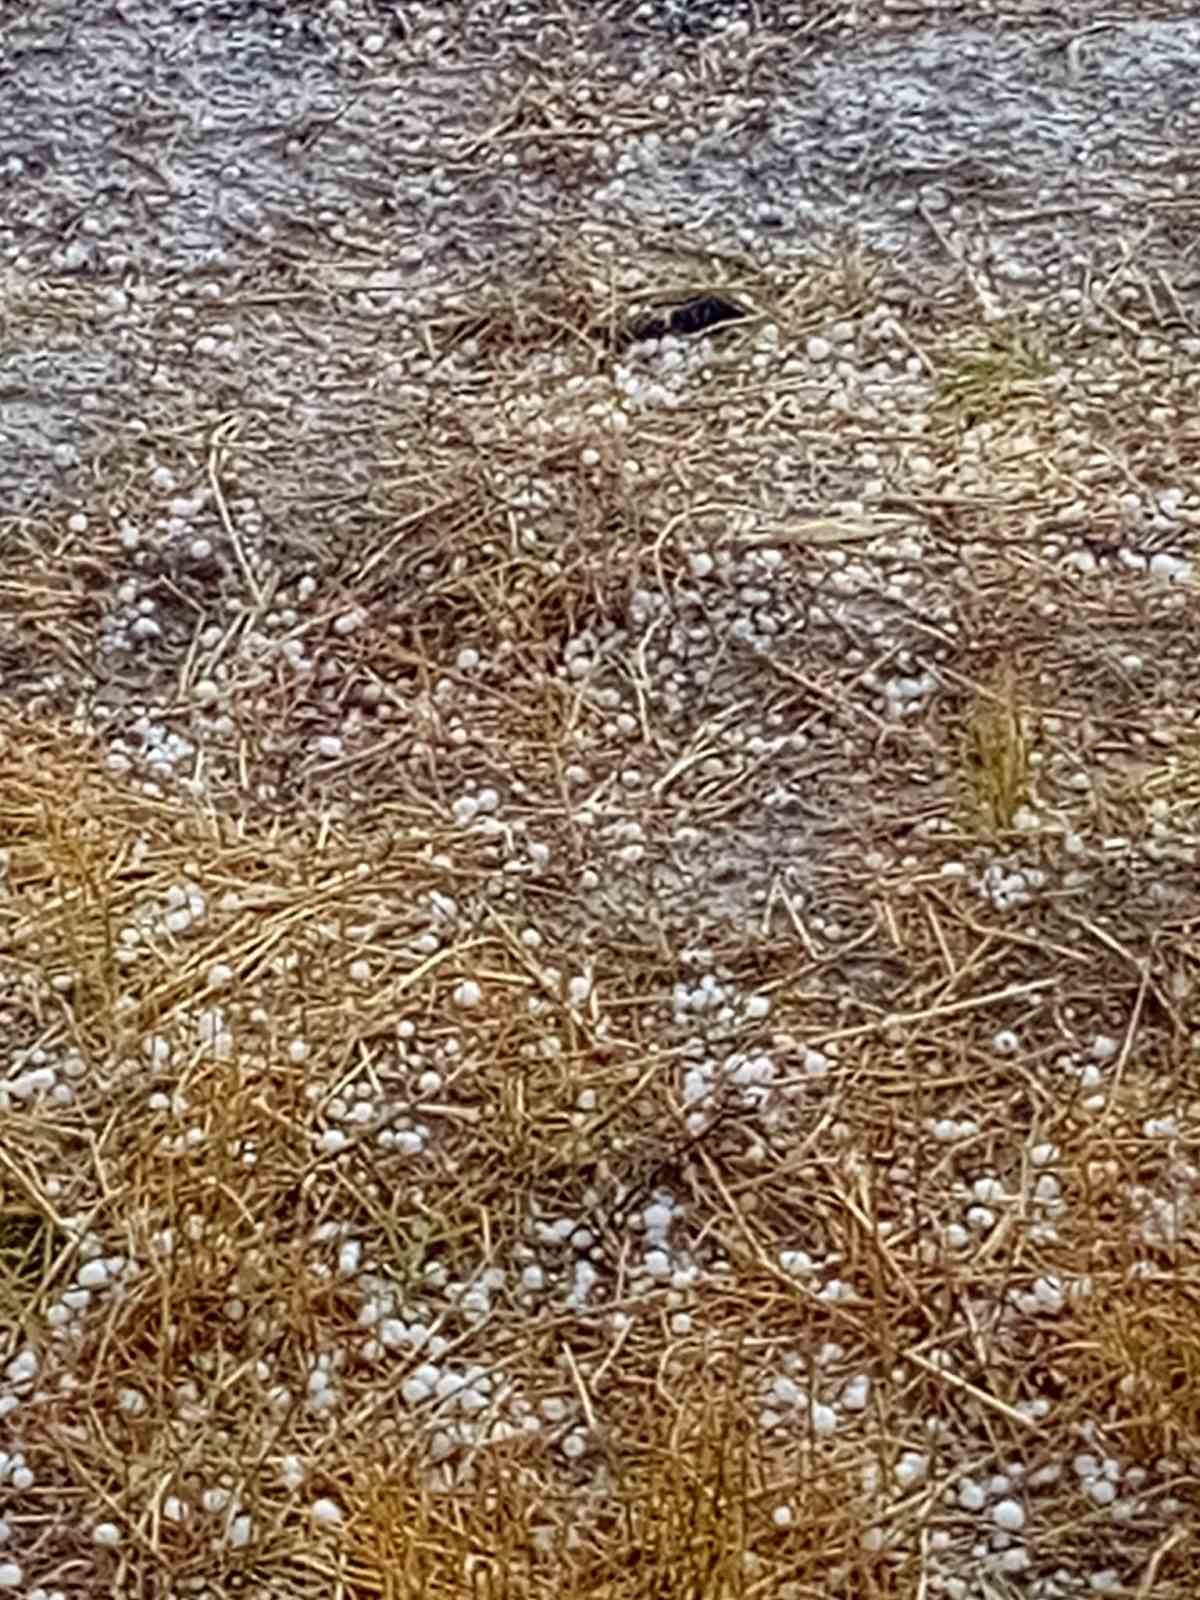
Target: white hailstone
{"x":416,"y":1389}
{"x":533,"y":1278}
{"x":219,"y":975}
{"x":23,"y":1368}
{"x":11,"y":1575}
{"x":329,"y":746}
{"x":1104,"y":1048}
{"x":823,"y":1418}
{"x":93,"y":1275}
{"x":173,"y":1508}
{"x":241,"y":1531}
{"x":657,"y":1218}
{"x":468,"y":994}
{"x":757,"y":1007}
{"x":783,"y":1516}
{"x":786,"y":1392}
{"x":1006,"y":1043}
{"x":1048,"y":1295}
{"x":348,"y":622}
{"x":332,"y":1141}
{"x":857,"y":1393}
{"x":349,"y":1258}
{"x":796,"y":1262}
{"x":574,"y":1446}
{"x":836,"y":1289}
{"x":327,"y":1513}
{"x":1170,"y":569}
{"x":579,"y":990}
{"x":467,"y":660}
{"x":360,"y":971}
{"x":971,"y":1495}
{"x":658,"y":1264}
{"x":465,"y":809}
{"x":107,"y":1535}
{"x":205,"y":692}
{"x":1009,"y":1515}
{"x":912,"y":1468}
{"x":818,"y":349}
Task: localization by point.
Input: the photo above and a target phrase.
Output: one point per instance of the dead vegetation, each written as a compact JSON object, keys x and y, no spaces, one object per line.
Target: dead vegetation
{"x":1003,"y":1205}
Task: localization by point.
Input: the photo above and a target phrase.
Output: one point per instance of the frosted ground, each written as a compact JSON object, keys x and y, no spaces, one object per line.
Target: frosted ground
{"x":598,"y":934}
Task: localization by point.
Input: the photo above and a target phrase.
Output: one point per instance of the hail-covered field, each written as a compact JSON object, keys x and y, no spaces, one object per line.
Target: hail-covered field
{"x":599,"y":801}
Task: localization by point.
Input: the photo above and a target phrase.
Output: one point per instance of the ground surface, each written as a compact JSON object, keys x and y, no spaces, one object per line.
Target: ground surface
{"x":598,"y":937}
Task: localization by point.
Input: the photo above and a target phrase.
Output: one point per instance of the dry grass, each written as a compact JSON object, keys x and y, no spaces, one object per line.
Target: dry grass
{"x":197,"y":1156}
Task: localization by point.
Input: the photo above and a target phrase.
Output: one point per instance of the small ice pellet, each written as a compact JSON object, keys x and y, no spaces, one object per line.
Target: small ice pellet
{"x":11,"y":1575}
{"x":796,"y":1262}
{"x":349,"y":1258}
{"x":415,"y":1390}
{"x":332,"y":1140}
{"x":468,"y":994}
{"x":327,"y":1513}
{"x":857,"y":1393}
{"x":1006,"y":1043}
{"x":1009,"y":1515}
{"x":786,"y":1392}
{"x":329,"y":746}
{"x":92,"y":1275}
{"x":241,"y":1531}
{"x":824,"y":1419}
{"x":911,"y":1468}
{"x":107,"y":1535}
{"x":465,"y":810}
{"x":658,"y":1264}
{"x":971,"y":1495}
